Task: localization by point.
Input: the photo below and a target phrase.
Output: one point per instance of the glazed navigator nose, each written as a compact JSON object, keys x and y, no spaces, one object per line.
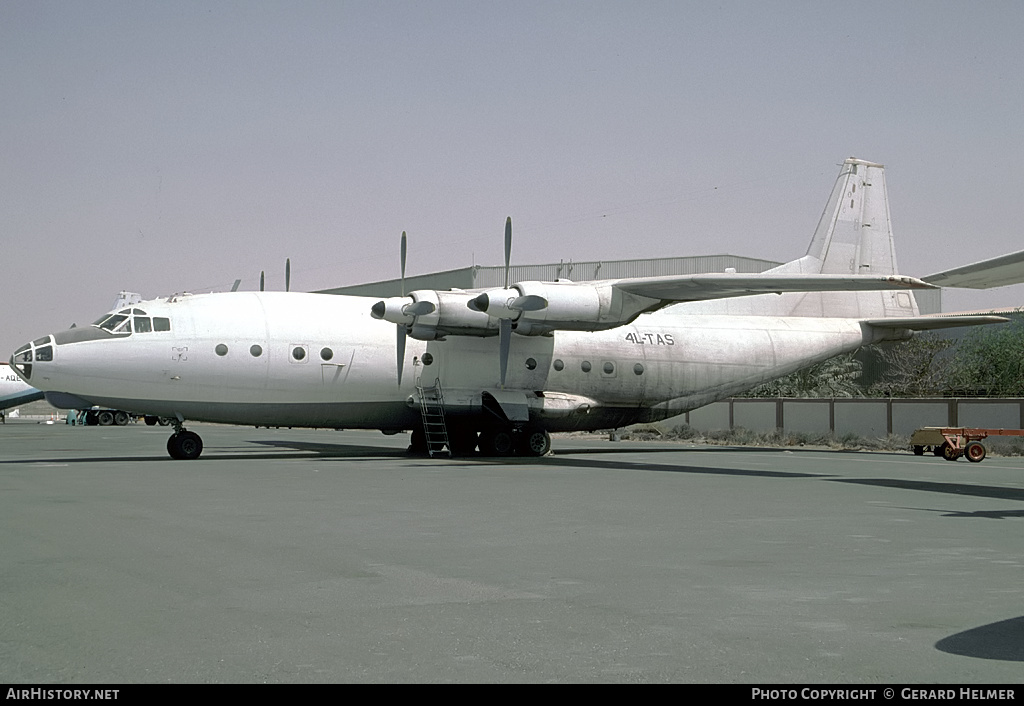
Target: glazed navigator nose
{"x":38,"y":351}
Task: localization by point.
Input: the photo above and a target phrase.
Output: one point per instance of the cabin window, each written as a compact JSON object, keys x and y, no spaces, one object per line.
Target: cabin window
{"x":326,"y":354}
{"x":161,"y":324}
{"x":609,"y":368}
{"x":298,"y":354}
{"x":256,"y":350}
{"x":44,"y":353}
{"x":221,"y":350}
{"x":585,"y":366}
{"x":638,"y":369}
{"x":558,"y":365}
{"x":427,"y":359}
{"x":143,"y":324}
{"x":531,"y":364}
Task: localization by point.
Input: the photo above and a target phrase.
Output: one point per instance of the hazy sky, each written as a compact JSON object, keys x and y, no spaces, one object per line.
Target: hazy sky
{"x":172,"y":146}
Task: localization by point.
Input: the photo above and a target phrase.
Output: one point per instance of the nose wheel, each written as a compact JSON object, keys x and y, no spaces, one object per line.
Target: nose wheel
{"x":185,"y":445}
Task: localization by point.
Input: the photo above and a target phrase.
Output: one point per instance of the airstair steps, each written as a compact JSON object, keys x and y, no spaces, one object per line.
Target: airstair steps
{"x":434,"y":428}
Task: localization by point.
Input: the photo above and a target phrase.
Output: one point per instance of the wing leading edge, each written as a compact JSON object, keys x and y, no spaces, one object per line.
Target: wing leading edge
{"x":704,"y":287}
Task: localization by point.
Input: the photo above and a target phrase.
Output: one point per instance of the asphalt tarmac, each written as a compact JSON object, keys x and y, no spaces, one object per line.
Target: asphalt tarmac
{"x":300,"y":556}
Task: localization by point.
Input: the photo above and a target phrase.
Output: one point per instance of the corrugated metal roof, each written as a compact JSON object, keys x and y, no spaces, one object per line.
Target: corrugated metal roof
{"x":479,"y":276}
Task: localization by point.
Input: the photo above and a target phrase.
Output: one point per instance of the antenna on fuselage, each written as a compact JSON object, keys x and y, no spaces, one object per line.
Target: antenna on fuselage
{"x":263,"y":277}
{"x":234,"y":287}
{"x":287,"y":274}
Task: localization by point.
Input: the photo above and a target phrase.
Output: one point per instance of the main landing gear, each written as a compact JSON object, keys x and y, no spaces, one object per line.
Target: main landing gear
{"x":493,"y":441}
{"x":184,"y":445}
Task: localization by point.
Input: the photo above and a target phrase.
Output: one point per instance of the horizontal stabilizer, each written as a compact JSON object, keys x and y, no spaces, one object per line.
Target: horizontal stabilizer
{"x":997,"y":272}
{"x":935,"y":321}
{"x":692,"y":288}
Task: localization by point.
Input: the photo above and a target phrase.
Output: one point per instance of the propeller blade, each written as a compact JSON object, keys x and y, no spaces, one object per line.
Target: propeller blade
{"x":287,"y":274}
{"x":508,"y":247}
{"x":400,"y":347}
{"x":404,"y":248}
{"x":402,"y":331}
{"x":504,"y":344}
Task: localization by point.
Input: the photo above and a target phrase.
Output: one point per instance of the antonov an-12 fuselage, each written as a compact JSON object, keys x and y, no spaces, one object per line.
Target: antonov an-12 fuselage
{"x":511,"y":364}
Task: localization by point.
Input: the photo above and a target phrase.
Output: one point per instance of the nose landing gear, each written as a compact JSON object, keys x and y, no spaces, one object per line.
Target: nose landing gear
{"x":184,"y":445}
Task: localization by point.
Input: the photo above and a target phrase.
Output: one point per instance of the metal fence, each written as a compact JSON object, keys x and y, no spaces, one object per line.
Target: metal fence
{"x":862,"y":416}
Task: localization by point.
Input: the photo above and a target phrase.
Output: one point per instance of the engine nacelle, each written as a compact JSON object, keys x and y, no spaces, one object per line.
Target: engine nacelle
{"x":394,"y":309}
{"x":451,"y":316}
{"x":534,"y":308}
{"x":506,"y":303}
{"x":578,"y":306}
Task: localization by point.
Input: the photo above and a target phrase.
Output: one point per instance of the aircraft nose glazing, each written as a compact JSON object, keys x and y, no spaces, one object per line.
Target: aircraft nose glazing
{"x":38,"y":351}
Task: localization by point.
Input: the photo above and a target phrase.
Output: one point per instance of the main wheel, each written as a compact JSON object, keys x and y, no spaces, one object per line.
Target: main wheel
{"x":533,"y":441}
{"x":497,"y":442}
{"x":105,"y":418}
{"x":975,"y":452}
{"x":121,"y":418}
{"x":462,"y":440}
{"x":185,"y":446}
{"x":418,"y":442}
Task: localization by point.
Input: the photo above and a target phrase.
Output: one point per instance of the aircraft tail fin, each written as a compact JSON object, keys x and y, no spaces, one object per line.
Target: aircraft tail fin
{"x":854,"y":237}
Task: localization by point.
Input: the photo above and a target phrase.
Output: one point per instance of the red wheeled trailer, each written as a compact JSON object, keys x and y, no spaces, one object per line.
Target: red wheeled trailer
{"x":953,"y":442}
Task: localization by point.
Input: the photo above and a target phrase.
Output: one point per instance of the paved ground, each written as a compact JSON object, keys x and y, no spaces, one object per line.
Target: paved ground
{"x":320,"y":556}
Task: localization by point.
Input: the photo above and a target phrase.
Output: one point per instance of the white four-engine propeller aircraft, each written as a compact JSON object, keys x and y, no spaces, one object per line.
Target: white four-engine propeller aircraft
{"x":512,"y":364}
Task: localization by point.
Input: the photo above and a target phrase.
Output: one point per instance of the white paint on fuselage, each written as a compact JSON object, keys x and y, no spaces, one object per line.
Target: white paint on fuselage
{"x":684,"y":362}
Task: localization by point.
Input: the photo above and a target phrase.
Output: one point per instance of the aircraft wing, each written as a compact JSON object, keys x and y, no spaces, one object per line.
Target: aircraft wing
{"x":929,"y":322}
{"x":692,"y":288}
{"x":15,"y":400}
{"x":997,"y":272}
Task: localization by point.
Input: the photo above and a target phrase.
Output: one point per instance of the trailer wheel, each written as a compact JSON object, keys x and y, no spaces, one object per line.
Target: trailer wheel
{"x":949,"y":453}
{"x":975,"y":452}
{"x":918,"y":450}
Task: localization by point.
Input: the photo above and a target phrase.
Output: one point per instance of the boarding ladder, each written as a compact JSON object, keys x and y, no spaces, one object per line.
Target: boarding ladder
{"x":432,"y":410}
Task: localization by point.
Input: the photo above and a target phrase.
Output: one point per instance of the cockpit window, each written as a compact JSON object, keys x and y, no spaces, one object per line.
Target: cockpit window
{"x":116,"y":324}
{"x":127,"y":320}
